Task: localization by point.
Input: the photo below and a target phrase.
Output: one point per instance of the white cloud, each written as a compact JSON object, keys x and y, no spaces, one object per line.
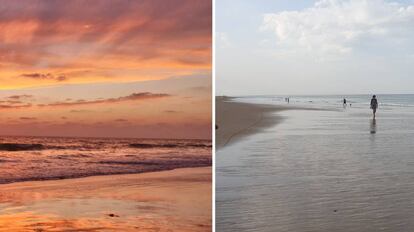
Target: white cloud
{"x":338,"y":27}
{"x":223,"y":40}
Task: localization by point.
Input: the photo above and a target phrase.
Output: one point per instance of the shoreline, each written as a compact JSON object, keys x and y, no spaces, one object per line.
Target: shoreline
{"x":178,"y":199}
{"x":236,"y":120}
{"x":103,"y":175}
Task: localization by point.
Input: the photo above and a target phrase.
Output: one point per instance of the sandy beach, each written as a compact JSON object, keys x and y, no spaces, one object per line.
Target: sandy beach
{"x":177,"y":200}
{"x":236,"y":120}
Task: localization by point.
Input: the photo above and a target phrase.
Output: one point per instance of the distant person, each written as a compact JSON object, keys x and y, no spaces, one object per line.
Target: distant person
{"x":344,"y":103}
{"x":374,"y":105}
{"x":288,"y":100}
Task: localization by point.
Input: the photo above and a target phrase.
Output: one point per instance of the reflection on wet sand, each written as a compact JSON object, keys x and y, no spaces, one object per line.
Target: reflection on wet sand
{"x":177,"y":200}
{"x":373,"y":126}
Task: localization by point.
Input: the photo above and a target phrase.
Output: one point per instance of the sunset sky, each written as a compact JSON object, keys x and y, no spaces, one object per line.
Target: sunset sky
{"x":106,"y":68}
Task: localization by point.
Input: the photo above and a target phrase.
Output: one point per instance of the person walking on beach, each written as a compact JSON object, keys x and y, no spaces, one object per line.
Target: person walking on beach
{"x":374,"y":105}
{"x":344,"y":102}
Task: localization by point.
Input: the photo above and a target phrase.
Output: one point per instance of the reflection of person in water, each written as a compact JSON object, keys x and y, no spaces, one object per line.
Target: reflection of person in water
{"x":374,"y":105}
{"x":373,"y":126}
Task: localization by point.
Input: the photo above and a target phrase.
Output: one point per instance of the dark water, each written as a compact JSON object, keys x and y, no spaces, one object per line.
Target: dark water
{"x":42,"y":158}
{"x":322,"y":171}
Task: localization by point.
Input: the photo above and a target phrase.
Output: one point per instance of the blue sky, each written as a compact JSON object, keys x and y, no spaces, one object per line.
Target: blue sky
{"x":314,"y":47}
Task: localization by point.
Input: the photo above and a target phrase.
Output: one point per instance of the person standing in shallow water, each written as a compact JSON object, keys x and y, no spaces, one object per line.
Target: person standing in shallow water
{"x":374,"y":105}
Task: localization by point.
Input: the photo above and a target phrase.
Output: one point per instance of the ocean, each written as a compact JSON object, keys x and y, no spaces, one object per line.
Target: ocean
{"x":334,"y":169}
{"x":46,"y":158}
{"x":334,"y":101}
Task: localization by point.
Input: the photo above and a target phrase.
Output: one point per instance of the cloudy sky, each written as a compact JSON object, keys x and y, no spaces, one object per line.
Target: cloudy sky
{"x":118,"y":68}
{"x":314,"y":47}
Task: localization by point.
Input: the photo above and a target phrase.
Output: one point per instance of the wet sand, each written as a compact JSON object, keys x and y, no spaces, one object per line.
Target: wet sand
{"x":236,"y":120}
{"x":177,"y":200}
{"x":321,"y":170}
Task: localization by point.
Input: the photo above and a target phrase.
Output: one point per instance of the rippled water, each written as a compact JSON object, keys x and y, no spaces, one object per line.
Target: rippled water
{"x":41,"y":158}
{"x":321,"y":171}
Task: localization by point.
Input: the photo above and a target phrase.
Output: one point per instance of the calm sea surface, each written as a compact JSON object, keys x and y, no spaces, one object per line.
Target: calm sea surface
{"x":334,"y":170}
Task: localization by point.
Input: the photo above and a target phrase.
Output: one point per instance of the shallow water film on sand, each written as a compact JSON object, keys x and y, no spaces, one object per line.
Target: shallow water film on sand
{"x":321,"y":170}
{"x":175,"y":200}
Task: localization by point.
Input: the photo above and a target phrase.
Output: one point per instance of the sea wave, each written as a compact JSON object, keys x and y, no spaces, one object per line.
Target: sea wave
{"x":21,"y":147}
{"x":47,"y":158}
{"x":168,"y":145}
{"x":39,"y":146}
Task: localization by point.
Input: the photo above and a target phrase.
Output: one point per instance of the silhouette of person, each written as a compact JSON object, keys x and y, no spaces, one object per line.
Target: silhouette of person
{"x":374,"y":105}
{"x":344,"y":103}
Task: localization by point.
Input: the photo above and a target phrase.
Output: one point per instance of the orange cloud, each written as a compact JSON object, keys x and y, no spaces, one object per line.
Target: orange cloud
{"x":12,"y":106}
{"x":27,"y":118}
{"x":47,"y":76}
{"x":70,"y":102}
{"x":132,"y":97}
{"x":50,"y":42}
{"x":20,"y":96}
